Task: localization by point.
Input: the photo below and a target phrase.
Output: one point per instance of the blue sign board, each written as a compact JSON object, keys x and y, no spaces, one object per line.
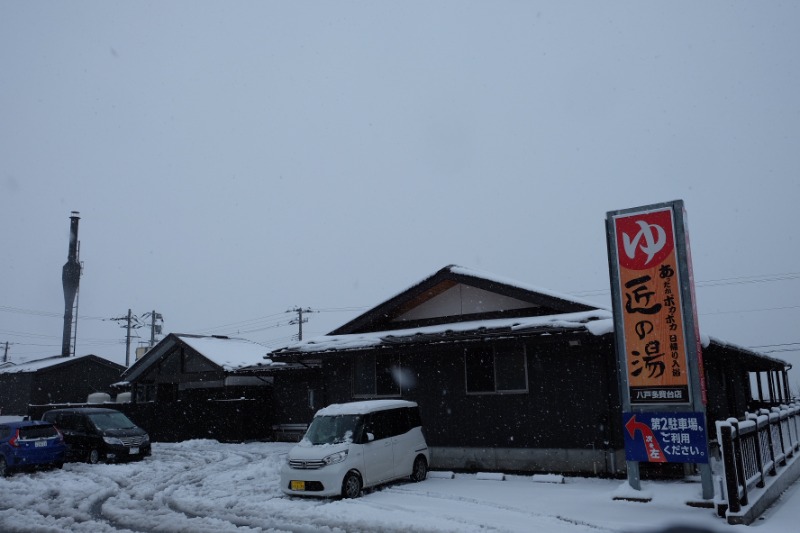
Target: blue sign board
{"x":665,"y":437}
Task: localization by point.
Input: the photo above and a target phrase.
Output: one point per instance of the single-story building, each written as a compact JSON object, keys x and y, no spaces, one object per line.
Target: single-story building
{"x":186,"y":387}
{"x":507,"y":376}
{"x":56,"y":379}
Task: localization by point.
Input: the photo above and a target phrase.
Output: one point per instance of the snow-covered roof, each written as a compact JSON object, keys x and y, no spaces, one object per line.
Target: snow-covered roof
{"x":359,"y":341}
{"x":39,"y":364}
{"x":229,"y":354}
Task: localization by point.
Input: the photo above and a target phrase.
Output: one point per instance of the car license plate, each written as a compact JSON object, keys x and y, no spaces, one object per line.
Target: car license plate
{"x":298,"y":485}
{"x":41,"y":444}
{"x":134,"y":451}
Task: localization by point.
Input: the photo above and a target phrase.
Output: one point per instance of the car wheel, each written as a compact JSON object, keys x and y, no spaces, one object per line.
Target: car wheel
{"x":4,"y":470}
{"x":94,"y":457}
{"x":351,"y":486}
{"x":420,"y":470}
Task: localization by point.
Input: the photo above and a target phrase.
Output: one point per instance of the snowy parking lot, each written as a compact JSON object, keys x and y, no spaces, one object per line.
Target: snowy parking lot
{"x":204,"y":486}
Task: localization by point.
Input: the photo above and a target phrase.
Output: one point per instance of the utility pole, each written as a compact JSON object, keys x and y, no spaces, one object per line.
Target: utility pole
{"x":299,"y":320}
{"x":155,"y":329}
{"x":128,"y":341}
{"x":5,"y":354}
{"x":131,"y":322}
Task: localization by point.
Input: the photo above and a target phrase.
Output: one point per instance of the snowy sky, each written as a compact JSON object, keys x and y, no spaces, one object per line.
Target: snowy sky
{"x":233,"y":160}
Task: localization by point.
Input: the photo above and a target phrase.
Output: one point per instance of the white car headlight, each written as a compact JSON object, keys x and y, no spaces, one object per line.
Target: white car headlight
{"x":114,"y":441}
{"x":334,"y":458}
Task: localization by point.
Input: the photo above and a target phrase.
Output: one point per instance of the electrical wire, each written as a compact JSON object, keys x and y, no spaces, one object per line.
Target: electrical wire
{"x":761,"y":278}
{"x":255,"y":325}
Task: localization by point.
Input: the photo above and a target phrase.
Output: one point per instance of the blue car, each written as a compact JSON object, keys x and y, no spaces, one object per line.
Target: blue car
{"x":29,"y":444}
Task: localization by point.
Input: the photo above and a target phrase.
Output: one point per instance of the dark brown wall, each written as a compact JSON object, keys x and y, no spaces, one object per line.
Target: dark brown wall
{"x":72,"y":383}
{"x":572,"y":399}
{"x":291,"y":398}
{"x":201,"y":418}
{"x":15,"y":392}
{"x":171,"y":369}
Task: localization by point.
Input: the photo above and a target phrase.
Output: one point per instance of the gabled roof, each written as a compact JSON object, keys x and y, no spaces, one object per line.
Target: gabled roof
{"x":54,"y":362}
{"x":457,"y":294}
{"x":596,"y":322}
{"x":456,"y":304}
{"x":226,"y":353}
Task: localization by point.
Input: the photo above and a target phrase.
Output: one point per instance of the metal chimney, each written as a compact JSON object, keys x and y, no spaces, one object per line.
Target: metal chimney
{"x":70,"y":278}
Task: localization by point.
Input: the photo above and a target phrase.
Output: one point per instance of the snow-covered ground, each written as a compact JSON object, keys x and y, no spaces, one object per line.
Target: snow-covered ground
{"x":204,"y":486}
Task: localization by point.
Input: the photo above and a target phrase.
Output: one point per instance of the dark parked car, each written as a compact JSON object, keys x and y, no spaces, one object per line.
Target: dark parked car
{"x":95,"y":434}
{"x":28,"y":444}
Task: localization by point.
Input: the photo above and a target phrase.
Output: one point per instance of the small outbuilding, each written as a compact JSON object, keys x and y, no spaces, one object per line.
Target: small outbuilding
{"x":54,"y":380}
{"x":186,"y":387}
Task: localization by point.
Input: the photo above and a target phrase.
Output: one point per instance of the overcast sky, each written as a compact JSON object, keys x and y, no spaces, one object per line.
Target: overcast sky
{"x":231,"y":160}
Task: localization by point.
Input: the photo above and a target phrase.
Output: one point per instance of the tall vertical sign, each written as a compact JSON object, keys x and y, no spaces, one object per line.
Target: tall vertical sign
{"x":655,"y":324}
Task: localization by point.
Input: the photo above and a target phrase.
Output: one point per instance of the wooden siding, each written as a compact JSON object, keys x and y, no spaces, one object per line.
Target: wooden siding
{"x":572,"y":399}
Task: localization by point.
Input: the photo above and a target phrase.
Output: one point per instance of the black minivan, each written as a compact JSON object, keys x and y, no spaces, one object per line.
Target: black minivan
{"x":96,"y":434}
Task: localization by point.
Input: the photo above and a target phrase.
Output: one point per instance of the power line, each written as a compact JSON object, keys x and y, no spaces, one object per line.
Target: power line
{"x":272,"y":326}
{"x":30,"y":335}
{"x":750,"y":310}
{"x":776,"y":345}
{"x":277,"y":341}
{"x":257,"y":324}
{"x":341,"y":309}
{"x":781,"y":351}
{"x":48,"y":314}
{"x":760,"y":278}
{"x":242,"y":323}
{"x":749,"y":279}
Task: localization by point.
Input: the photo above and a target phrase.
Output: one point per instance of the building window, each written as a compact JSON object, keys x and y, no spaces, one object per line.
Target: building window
{"x":491,"y":369}
{"x":145,"y":392}
{"x":376,"y":375}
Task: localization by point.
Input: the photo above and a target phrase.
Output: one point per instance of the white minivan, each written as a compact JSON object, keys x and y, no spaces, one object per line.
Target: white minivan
{"x":352,"y":446}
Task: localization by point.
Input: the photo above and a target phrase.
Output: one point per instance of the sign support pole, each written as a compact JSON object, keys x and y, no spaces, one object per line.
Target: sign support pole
{"x":655,"y":325}
{"x":694,"y":351}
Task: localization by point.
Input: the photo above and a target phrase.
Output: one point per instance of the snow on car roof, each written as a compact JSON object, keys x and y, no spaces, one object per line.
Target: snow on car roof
{"x":363,"y":407}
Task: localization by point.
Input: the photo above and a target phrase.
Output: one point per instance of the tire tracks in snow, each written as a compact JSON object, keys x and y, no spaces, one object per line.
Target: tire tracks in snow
{"x":474,"y":502}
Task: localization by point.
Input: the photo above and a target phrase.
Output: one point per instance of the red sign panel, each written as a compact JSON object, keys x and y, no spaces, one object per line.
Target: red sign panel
{"x":651,"y":308}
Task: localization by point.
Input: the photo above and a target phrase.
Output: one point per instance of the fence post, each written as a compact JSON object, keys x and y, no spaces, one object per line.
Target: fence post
{"x":779,"y":413}
{"x":791,"y":429}
{"x":729,"y":464}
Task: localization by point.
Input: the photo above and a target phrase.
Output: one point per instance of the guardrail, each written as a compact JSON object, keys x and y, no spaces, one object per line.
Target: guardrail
{"x":755,"y":449}
{"x":288,"y":432}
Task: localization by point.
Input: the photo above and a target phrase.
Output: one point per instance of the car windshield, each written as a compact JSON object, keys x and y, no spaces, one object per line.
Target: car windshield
{"x":111,"y":421}
{"x":332,"y":429}
{"x":37,"y":432}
